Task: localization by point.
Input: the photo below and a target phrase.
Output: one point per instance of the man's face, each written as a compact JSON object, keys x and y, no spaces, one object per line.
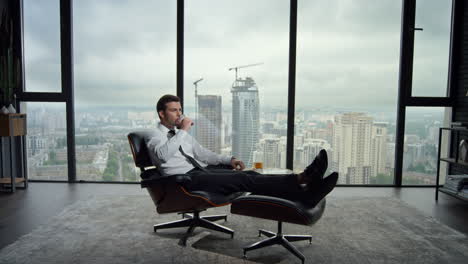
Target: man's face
{"x":171,"y":115}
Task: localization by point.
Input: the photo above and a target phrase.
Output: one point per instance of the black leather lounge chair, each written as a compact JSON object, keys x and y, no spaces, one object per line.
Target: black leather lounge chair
{"x":280,"y":210}
{"x":169,"y":195}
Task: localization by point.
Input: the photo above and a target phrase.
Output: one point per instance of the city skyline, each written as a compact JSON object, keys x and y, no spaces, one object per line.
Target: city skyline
{"x":100,"y":139}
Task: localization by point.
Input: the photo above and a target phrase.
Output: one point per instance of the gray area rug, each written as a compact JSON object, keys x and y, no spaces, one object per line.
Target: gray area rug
{"x":118,"y":229}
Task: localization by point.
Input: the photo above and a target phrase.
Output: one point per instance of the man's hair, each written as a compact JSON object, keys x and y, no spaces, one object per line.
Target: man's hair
{"x":161,"y":105}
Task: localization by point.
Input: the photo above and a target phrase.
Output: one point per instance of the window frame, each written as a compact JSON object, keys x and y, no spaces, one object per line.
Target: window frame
{"x":404,"y":100}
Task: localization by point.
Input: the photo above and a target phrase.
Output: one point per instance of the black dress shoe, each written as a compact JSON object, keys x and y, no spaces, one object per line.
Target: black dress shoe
{"x":313,"y":174}
{"x":318,"y":192}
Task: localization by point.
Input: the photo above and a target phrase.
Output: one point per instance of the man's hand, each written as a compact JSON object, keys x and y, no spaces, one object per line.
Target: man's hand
{"x":237,"y":164}
{"x":186,"y":124}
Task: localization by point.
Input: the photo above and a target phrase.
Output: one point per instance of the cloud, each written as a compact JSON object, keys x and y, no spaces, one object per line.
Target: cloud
{"x":347,"y":51}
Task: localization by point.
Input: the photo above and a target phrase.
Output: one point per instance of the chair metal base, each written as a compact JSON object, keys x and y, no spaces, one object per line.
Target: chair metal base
{"x":194,"y":220}
{"x":279,"y":239}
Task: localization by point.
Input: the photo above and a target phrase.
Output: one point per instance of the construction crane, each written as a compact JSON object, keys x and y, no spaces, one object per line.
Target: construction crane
{"x":244,"y":66}
{"x":196,"y":101}
{"x":196,"y":85}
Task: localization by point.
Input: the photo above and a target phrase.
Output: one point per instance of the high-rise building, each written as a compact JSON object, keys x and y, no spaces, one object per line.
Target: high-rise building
{"x":413,"y":154}
{"x":226,"y":141}
{"x":390,"y":155}
{"x":311,"y":148}
{"x":271,"y":153}
{"x":379,"y":148}
{"x":209,"y":130}
{"x":352,"y":148}
{"x":359,"y":148}
{"x":245,"y":119}
{"x":283,"y":152}
{"x":298,"y":162}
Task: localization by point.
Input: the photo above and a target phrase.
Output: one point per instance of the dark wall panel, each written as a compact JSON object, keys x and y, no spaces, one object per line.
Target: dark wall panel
{"x":10,"y":78}
{"x":460,"y":87}
{"x":460,"y":112}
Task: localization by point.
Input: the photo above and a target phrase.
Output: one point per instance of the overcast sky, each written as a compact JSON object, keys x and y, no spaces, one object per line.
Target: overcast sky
{"x":347,"y":51}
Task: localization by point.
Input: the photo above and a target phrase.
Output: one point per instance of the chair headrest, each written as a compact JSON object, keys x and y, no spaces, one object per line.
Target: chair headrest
{"x":138,"y":140}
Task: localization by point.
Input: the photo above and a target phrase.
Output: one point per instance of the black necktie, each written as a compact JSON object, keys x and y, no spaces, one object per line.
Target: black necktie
{"x":170,"y":134}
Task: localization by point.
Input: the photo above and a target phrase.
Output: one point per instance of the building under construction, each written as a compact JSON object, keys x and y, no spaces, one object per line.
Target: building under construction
{"x":245,"y":119}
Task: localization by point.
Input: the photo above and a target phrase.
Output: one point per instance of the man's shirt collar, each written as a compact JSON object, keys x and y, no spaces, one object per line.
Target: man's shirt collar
{"x":164,"y":129}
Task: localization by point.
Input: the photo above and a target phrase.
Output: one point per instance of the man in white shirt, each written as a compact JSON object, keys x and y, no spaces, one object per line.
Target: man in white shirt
{"x":174,"y":151}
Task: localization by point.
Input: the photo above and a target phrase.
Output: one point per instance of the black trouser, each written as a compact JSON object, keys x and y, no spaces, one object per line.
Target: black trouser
{"x":228,"y":181}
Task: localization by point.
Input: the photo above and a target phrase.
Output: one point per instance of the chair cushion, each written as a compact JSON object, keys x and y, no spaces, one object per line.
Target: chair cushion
{"x":138,"y":140}
{"x":216,"y":198}
{"x":151,"y":174}
{"x":153,"y":177}
{"x":169,"y":194}
{"x":278,"y":209}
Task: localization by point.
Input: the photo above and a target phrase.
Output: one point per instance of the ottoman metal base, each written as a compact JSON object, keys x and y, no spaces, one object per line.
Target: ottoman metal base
{"x":279,"y":239}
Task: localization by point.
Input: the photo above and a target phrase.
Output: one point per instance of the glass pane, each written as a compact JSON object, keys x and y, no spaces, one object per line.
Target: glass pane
{"x":421,"y":144}
{"x":242,"y":56}
{"x":347,"y":82}
{"x":125,"y":59}
{"x":42,"y":45}
{"x":431,"y":48}
{"x":46,"y":141}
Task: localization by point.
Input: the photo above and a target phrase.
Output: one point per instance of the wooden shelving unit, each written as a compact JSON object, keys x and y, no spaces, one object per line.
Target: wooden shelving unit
{"x":11,"y":126}
{"x":8,"y":180}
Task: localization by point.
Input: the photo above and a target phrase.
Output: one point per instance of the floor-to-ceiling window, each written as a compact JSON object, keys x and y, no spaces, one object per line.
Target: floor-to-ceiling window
{"x":431,"y":48}
{"x":347,"y":83}
{"x":42,"y":45}
{"x":429,"y":80}
{"x":236,"y":81}
{"x":124,"y":60}
{"x":46,"y":143}
{"x":421,"y":144}
{"x":236,"y":77}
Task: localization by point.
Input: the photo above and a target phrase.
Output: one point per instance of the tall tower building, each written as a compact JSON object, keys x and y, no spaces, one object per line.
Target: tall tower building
{"x":209,"y":131}
{"x":352,"y":148}
{"x":245,"y":119}
{"x":379,"y":148}
{"x":271,"y":153}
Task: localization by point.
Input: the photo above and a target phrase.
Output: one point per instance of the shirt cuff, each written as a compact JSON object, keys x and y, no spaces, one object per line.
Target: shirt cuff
{"x":226,"y":160}
{"x":181,"y":133}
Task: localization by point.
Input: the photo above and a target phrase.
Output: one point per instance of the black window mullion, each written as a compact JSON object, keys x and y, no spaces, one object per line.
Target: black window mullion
{"x":66,"y":47}
{"x":429,"y":101}
{"x":43,"y":97}
{"x":20,"y":91}
{"x":291,"y":84}
{"x":404,"y":82}
{"x":455,"y":53}
{"x":180,"y":50}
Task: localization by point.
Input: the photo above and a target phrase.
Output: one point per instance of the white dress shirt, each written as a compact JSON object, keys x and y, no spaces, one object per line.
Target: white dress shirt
{"x":165,"y":154}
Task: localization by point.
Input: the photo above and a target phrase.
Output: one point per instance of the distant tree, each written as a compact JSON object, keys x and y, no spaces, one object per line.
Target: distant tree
{"x":87,"y":140}
{"x":52,"y":156}
{"x":61,"y":142}
{"x":418,"y":167}
{"x":112,"y":168}
{"x":382,"y":178}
